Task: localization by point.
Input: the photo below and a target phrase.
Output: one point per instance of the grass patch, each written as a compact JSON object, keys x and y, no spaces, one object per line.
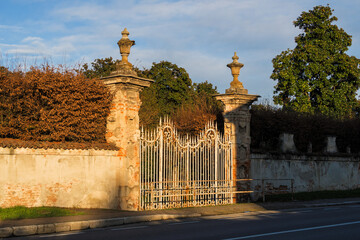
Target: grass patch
{"x":307,"y":196}
{"x":20,"y":212}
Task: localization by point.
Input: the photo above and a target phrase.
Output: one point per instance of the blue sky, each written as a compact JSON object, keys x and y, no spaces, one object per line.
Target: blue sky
{"x":200,"y":35}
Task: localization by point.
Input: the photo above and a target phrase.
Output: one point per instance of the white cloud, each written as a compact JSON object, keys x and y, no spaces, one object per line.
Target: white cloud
{"x":9,"y":27}
{"x":32,"y":39}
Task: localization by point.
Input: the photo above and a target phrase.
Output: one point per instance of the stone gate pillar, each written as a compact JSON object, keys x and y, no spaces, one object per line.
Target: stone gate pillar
{"x":237,"y":120}
{"x":123,"y":124}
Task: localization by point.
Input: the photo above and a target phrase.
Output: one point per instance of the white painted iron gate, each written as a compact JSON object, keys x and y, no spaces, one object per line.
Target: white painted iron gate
{"x":183,"y":171}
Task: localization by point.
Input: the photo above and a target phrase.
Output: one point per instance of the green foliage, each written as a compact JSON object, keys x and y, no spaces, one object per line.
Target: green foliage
{"x":20,"y":212}
{"x":99,"y":68}
{"x":267,"y":123}
{"x":172,"y":94}
{"x":172,"y":86}
{"x":317,"y":76}
{"x":56,"y":105}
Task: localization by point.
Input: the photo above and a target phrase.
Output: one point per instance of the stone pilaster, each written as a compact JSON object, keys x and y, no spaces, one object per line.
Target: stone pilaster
{"x":237,"y":121}
{"x":123,"y":125}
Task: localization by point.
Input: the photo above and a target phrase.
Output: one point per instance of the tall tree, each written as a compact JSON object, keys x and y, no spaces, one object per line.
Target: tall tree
{"x":99,"y":67}
{"x":318,"y":76}
{"x":171,"y":88}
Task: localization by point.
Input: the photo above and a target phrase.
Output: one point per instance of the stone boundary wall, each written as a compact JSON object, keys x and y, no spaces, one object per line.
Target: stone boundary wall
{"x":310,"y":172}
{"x":62,"y":178}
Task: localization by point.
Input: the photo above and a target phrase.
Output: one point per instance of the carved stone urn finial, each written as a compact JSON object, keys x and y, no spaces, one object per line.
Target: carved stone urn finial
{"x":236,"y":86}
{"x":124,"y":67}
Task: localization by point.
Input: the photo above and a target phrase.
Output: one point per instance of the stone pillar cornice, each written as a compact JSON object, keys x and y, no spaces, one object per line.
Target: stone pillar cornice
{"x":127,"y":79}
{"x":237,"y":99}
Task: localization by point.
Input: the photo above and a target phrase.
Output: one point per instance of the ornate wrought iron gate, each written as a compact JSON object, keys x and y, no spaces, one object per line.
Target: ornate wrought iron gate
{"x":184,"y":171}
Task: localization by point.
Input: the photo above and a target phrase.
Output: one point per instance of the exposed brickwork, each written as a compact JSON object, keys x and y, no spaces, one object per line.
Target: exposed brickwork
{"x":21,"y":194}
{"x":31,"y":194}
{"x":123,"y":131}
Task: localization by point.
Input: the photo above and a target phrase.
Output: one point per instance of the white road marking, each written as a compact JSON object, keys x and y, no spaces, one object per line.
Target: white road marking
{"x":294,"y":230}
{"x":127,"y":228}
{"x":59,"y":234}
{"x":183,"y":223}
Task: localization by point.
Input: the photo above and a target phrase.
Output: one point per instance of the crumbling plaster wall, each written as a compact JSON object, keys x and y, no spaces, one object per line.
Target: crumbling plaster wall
{"x":62,"y":178}
{"x":310,"y":172}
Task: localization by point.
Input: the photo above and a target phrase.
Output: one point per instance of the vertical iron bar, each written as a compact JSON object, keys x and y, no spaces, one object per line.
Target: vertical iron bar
{"x":161,"y":164}
{"x":216,"y":169}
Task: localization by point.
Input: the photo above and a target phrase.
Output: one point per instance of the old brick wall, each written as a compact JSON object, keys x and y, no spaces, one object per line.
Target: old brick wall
{"x":62,"y":178}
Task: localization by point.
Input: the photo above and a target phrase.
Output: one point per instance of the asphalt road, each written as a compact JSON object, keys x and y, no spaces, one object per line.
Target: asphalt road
{"x":338,"y":222}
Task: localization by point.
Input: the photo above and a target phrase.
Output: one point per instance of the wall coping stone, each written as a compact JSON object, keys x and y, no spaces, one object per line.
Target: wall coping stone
{"x":65,"y":152}
{"x":304,"y":157}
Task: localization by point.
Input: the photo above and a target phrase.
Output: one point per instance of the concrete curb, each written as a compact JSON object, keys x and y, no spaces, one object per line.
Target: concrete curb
{"x":81,"y":225}
{"x":101,"y":223}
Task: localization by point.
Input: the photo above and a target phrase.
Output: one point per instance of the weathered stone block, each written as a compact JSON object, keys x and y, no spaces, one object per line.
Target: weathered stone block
{"x":25,"y":230}
{"x":114,"y":221}
{"x":6,"y":232}
{"x":62,"y":227}
{"x":287,"y":143}
{"x":100,"y":223}
{"x":78,"y":225}
{"x":45,"y":228}
{"x":331,"y":145}
{"x":145,"y":218}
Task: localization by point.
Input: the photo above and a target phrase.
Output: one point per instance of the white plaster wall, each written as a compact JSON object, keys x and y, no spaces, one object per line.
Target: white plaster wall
{"x":310,"y":173}
{"x":63,"y":178}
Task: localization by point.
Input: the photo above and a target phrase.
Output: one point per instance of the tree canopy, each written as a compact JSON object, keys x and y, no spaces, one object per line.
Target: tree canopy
{"x":171,"y":87}
{"x":317,"y":76}
{"x":99,"y":67}
{"x":173,"y":94}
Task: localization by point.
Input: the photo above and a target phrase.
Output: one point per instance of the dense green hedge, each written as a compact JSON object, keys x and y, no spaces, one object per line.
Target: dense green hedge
{"x":267,"y":123}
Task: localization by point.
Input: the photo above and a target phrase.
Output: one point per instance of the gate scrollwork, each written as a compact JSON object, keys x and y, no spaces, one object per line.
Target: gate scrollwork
{"x":184,"y":171}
